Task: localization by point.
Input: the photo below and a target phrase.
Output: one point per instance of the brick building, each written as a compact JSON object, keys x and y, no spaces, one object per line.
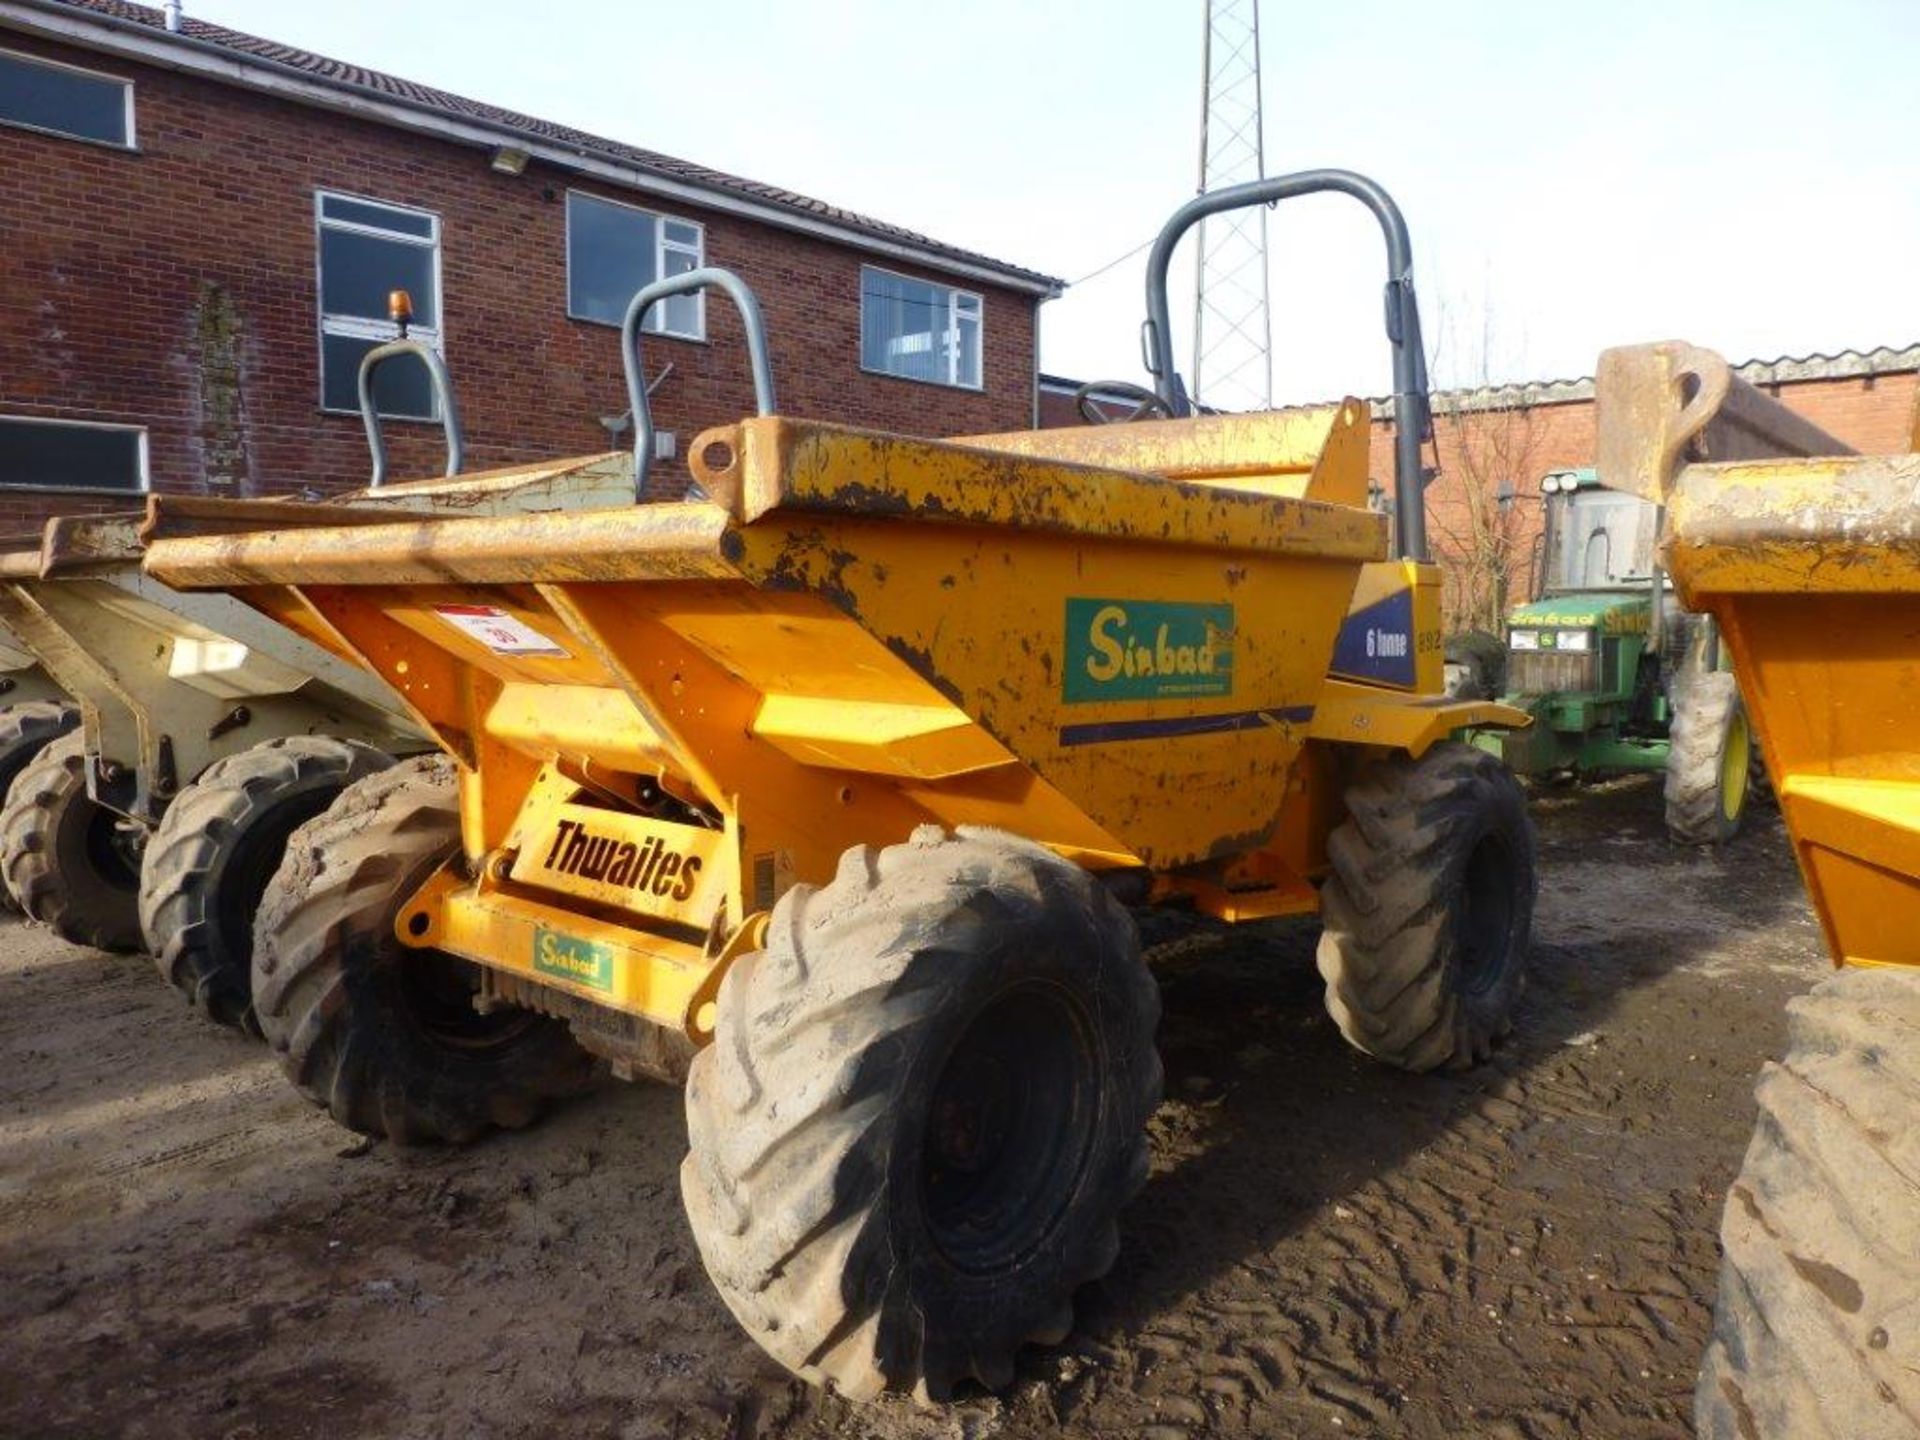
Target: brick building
{"x":199,"y":229}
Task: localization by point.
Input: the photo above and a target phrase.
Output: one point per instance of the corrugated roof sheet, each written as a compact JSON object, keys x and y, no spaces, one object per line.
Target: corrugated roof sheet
{"x":425,"y":97}
{"x":1784,"y":370}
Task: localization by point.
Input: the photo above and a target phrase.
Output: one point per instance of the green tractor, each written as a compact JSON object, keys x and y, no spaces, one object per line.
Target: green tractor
{"x":1616,"y":676}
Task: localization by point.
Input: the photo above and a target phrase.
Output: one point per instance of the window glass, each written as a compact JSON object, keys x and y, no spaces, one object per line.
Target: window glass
{"x":614,"y":250}
{"x":78,"y":457}
{"x":402,"y":389}
{"x":51,"y":97}
{"x":380,"y":217}
{"x":1606,"y":541}
{"x":919,"y":330}
{"x":367,"y":251}
{"x":357,"y":272}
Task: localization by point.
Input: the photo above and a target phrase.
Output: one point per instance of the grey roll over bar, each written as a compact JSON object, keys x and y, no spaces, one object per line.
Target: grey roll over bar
{"x":1412,"y":414}
{"x":645,"y":299}
{"x":442,"y":384}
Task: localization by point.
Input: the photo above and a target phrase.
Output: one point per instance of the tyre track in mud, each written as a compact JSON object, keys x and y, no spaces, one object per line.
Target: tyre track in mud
{"x":1324,"y":1247}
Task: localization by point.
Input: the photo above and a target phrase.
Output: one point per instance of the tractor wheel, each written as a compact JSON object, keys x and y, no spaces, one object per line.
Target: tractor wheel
{"x":1709,"y":760}
{"x":923,"y":1110}
{"x":213,"y":852}
{"x":1817,"y":1329}
{"x":25,"y":730}
{"x":384,"y":1037}
{"x":1429,"y":908}
{"x":71,"y":864}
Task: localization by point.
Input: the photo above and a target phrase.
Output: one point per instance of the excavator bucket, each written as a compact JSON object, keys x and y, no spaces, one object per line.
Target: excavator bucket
{"x":1809,"y":558}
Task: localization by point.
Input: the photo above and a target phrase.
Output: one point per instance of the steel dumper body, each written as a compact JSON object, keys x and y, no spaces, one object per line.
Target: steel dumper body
{"x":169,"y":682}
{"x":857,"y":635}
{"x":170,"y":685}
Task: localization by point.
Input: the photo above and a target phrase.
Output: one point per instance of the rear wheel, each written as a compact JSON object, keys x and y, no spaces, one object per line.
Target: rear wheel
{"x":25,"y":730}
{"x":382,"y":1036}
{"x":1816,"y":1333}
{"x":71,"y":863}
{"x":1428,"y":911}
{"x":923,"y":1110}
{"x":215,"y":849}
{"x":1709,"y":760}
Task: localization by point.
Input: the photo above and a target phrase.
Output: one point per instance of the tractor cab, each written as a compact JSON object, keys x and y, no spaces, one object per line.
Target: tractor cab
{"x":1605,"y":661}
{"x":1596,"y":539}
{"x":1594,"y":600}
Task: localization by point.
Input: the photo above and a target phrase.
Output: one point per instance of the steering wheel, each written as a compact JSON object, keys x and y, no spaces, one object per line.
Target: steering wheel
{"x":1145,"y":402}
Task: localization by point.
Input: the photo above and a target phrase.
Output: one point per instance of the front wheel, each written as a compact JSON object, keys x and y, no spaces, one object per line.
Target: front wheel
{"x":25,"y":730}
{"x":1428,"y":911}
{"x":214,"y":851}
{"x":71,"y":863}
{"x":922,"y":1111}
{"x":384,"y":1037}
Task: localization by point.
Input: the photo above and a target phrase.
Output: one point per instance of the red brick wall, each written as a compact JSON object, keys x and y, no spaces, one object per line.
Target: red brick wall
{"x":109,"y":259}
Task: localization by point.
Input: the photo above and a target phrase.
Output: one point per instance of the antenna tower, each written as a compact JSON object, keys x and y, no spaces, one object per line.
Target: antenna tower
{"x":1232,"y":336}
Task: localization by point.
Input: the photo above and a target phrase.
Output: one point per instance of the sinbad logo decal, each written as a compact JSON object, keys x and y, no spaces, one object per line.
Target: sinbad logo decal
{"x":571,"y":958}
{"x":1147,"y":650}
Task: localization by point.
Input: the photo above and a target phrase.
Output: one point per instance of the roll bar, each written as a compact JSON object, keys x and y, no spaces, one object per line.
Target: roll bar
{"x":1412,"y":412}
{"x":442,"y":384}
{"x":645,"y":299}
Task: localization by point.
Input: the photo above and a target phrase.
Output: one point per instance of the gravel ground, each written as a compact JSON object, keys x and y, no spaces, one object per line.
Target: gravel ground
{"x":1325,"y":1247}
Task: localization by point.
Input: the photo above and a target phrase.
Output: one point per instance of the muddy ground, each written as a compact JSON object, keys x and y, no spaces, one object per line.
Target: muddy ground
{"x":1325,"y":1247}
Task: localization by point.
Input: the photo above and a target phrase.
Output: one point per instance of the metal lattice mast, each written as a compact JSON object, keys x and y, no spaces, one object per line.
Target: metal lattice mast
{"x":1232,"y":337}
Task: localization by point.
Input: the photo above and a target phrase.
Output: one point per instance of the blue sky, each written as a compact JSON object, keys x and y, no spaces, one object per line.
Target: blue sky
{"x":1744,"y":175}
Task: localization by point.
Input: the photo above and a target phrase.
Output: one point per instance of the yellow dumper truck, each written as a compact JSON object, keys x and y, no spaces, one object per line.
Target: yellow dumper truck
{"x":829,"y":788}
{"x":1808,"y":557}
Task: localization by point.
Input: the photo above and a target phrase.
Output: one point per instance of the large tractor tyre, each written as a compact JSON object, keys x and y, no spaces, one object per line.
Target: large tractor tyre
{"x":26,"y":730}
{"x":71,"y":864}
{"x":382,"y":1036}
{"x":1709,"y":760}
{"x":1816,"y":1334}
{"x":213,"y":852}
{"x":1428,"y":909}
{"x":923,"y":1109}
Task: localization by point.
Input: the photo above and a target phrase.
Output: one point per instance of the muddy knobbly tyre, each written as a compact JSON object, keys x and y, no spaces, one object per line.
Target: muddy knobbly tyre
{"x":25,"y":730}
{"x":1709,"y":760}
{"x":71,"y":864}
{"x":384,"y":1037}
{"x":1428,"y":909}
{"x":922,"y":1111}
{"x":1816,"y":1332}
{"x":213,"y":852}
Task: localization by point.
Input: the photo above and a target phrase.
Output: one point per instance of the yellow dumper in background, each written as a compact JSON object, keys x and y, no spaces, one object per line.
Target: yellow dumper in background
{"x":1811,"y":566}
{"x":832,"y":784}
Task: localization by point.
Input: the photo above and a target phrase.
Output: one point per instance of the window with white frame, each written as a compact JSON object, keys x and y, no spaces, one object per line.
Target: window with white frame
{"x":63,"y":100}
{"x":919,"y":330}
{"x":613,"y":250}
{"x":367,"y":250}
{"x":71,"y":455}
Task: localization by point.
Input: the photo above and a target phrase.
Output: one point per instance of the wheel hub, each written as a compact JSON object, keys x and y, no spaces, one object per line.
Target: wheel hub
{"x":1009,"y":1131}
